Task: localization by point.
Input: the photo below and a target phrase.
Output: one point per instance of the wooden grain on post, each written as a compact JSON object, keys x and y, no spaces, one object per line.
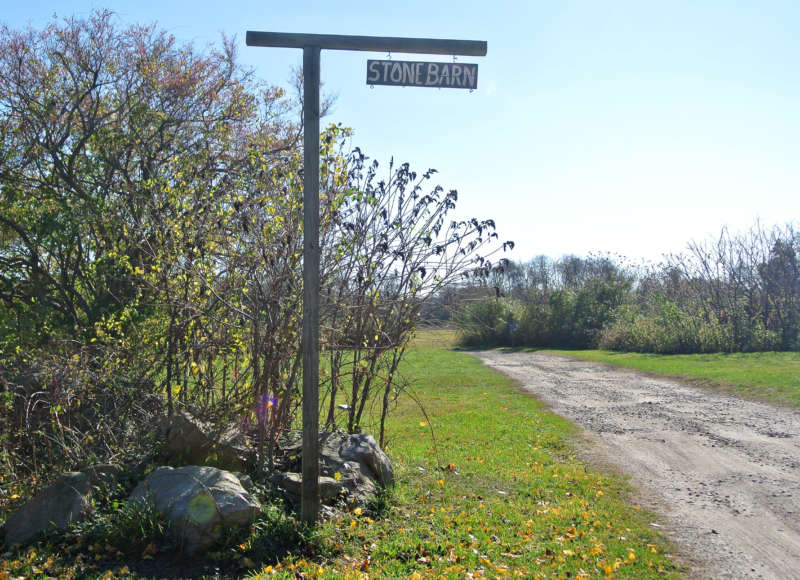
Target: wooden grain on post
{"x":309,"y":506}
{"x":368,"y":43}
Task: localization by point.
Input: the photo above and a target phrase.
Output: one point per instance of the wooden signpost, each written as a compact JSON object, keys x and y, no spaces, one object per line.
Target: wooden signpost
{"x":442,"y":75}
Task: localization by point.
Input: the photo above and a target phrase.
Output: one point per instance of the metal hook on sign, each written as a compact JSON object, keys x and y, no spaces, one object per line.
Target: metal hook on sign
{"x":455,"y":58}
{"x":389,"y":55}
{"x":372,"y":86}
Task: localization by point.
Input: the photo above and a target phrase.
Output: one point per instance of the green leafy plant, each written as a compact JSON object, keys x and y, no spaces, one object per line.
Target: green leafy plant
{"x":121,"y":528}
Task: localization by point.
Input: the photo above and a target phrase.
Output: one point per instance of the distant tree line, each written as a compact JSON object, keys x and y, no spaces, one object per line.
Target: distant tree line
{"x":733,"y":293}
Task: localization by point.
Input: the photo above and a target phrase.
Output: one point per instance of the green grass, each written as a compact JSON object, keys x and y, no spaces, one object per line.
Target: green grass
{"x":497,"y":492}
{"x":436,"y":337}
{"x":768,"y":376}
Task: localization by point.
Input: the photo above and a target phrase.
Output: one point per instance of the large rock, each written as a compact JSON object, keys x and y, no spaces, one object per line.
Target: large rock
{"x":54,"y":508}
{"x":65,"y":501}
{"x":201,"y":503}
{"x":292,"y":483}
{"x":364,"y":450}
{"x":103,"y":475}
{"x":353,"y":468}
{"x":190,"y":441}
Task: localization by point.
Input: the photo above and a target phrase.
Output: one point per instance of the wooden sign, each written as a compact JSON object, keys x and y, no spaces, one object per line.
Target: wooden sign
{"x":448,"y":75}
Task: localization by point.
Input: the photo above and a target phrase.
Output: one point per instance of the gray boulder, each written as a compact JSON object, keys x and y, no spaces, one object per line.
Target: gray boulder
{"x":245,"y":480}
{"x":292,"y":483}
{"x":103,"y":475}
{"x":54,"y":508}
{"x":67,"y":500}
{"x":352,"y":468}
{"x":190,"y":441}
{"x":364,"y":450}
{"x":201,"y":503}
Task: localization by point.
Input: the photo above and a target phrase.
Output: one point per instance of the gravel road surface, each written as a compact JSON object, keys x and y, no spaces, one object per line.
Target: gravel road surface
{"x":722,"y":472}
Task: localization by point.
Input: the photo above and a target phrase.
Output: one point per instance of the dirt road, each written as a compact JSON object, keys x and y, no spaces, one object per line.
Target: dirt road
{"x":723,"y":472}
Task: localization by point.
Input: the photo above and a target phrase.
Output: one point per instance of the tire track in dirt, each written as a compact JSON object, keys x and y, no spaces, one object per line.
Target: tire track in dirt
{"x":723,"y":472}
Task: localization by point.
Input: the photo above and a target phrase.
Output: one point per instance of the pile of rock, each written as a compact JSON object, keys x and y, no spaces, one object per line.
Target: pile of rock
{"x":353,"y":468}
{"x":203,"y":493}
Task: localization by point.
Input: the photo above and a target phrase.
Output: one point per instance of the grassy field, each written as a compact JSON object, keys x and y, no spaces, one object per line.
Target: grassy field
{"x":435,"y":337}
{"x":769,"y":376}
{"x":496,"y":492}
{"x":499,"y":494}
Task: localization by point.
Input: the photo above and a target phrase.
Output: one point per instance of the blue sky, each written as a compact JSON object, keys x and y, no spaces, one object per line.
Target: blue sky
{"x":622,"y":126}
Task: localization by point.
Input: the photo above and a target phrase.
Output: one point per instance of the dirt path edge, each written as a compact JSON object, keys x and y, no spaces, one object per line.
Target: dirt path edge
{"x":722,"y":472}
